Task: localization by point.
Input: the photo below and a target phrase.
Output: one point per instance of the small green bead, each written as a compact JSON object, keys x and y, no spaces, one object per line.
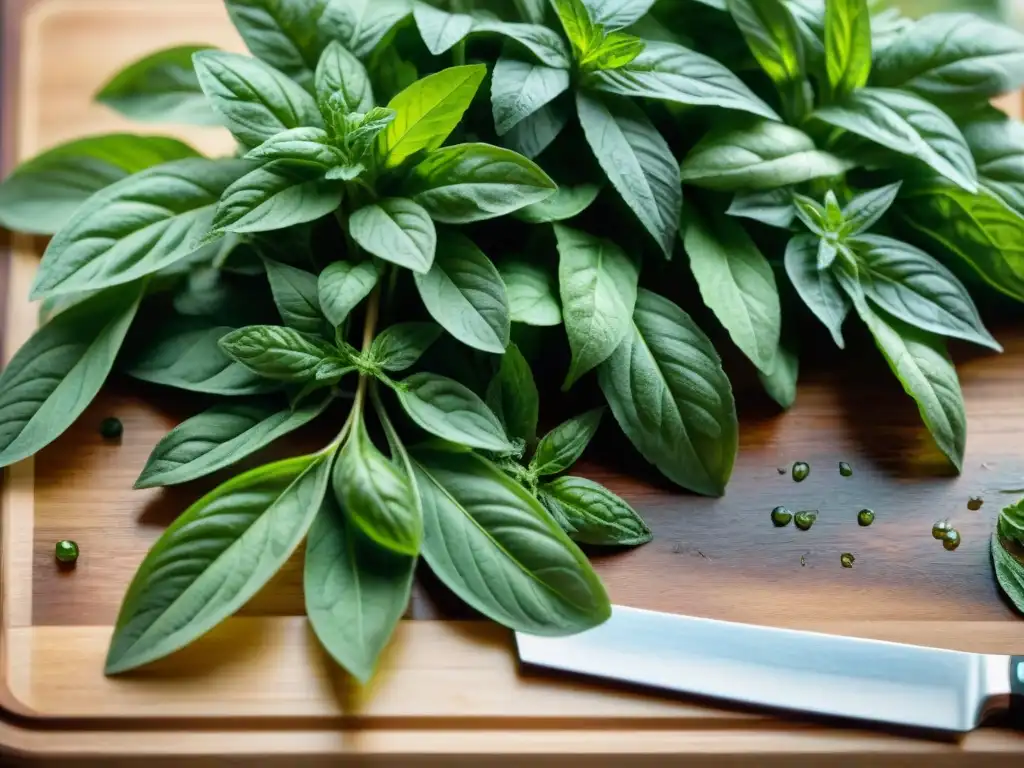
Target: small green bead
{"x":66,"y":551}
{"x":951,"y":540}
{"x":941,"y":528}
{"x":847,"y":560}
{"x":845,"y":469}
{"x":781,"y":517}
{"x":974,"y":503}
{"x":804,"y":520}
{"x":801,"y":470}
{"x":111,"y":428}
{"x":865,"y":518}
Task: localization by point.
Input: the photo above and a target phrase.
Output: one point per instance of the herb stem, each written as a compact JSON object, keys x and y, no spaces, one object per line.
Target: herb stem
{"x":459,"y":53}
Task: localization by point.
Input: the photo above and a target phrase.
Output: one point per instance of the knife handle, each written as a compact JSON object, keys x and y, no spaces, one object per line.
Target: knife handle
{"x":1017,"y":688}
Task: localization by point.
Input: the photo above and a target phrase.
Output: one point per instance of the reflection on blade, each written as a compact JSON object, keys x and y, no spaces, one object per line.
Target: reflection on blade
{"x":804,"y":671}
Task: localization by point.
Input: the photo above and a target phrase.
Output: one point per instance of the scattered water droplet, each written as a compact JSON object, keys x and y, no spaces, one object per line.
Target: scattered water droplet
{"x":941,"y":528}
{"x":845,"y":469}
{"x":865,"y":518}
{"x":847,"y":560}
{"x":781,"y":517}
{"x":801,"y":470}
{"x":804,"y":520}
{"x":974,"y":503}
{"x":951,"y":540}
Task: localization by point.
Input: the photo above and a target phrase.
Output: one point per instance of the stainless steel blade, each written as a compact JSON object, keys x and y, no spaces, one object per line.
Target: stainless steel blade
{"x":811,"y":672}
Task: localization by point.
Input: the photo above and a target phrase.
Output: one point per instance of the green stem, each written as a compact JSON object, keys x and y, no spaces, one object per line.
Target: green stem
{"x":459,"y":53}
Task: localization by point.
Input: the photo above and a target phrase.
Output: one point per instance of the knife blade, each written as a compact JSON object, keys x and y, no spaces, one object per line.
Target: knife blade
{"x":810,"y":672}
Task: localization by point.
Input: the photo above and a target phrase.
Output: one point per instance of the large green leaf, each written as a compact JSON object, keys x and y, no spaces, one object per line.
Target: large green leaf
{"x":907,"y":124}
{"x":532,"y":293}
{"x":396,"y":230}
{"x":295,"y":294}
{"x":847,"y":44}
{"x":447,"y":409}
{"x":566,"y":203}
{"x":909,"y":284}
{"x":617,"y":14}
{"x":400,"y":346}
{"x":738,"y":285}
{"x":597,"y":283}
{"x":952,"y":57}
{"x":532,"y":135}
{"x":512,"y":395}
{"x":276,"y":352}
{"x":997,"y":144}
{"x":670,"y":72}
{"x":464,"y":293}
{"x":669,"y":394}
{"x":466,"y":183}
{"x":1009,"y":571}
{"x":301,"y":145}
{"x":780,"y":382}
{"x":520,"y":88}
{"x":135,"y":227}
{"x":160,"y":87}
{"x":439,"y":29}
{"x":215,"y":557}
{"x":221,"y":436}
{"x":41,"y":194}
{"x":818,"y":288}
{"x":343,"y":285}
{"x":771,"y":33}
{"x":763,"y":155}
{"x":638,"y":162}
{"x":339,"y":72}
{"x":361,"y":25}
{"x":595,"y":515}
{"x":54,"y":376}
{"x":428,"y":111}
{"x":496,"y":548}
{"x":283,"y":33}
{"x":560,"y":448}
{"x":254,"y":99}
{"x":356,"y":591}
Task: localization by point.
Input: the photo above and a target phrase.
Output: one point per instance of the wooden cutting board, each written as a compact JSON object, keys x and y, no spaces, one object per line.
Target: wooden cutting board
{"x":259,"y":686}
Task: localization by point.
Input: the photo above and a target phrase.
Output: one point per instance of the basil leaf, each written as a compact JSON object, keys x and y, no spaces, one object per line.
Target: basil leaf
{"x":780,"y":381}
{"x":277,"y":195}
{"x":532,"y":135}
{"x":275,"y":352}
{"x":43,"y":193}
{"x":464,"y":293}
{"x":907,"y":124}
{"x":355,"y":590}
{"x":295,"y":294}
{"x":283,"y":34}
{"x":616,"y":50}
{"x":255,"y":100}
{"x":847,"y":44}
{"x":135,"y":227}
{"x":637,"y":161}
{"x":532,"y":10}
{"x":542,"y":42}
{"x":399,"y":347}
{"x":1009,"y":572}
{"x":376,"y":495}
{"x":562,"y":447}
{"x":160,"y":87}
{"x":54,"y":376}
{"x":397,"y":230}
{"x":343,"y":285}
{"x":1010,"y":523}
{"x":361,"y":25}
{"x":187,"y":355}
{"x":737,"y":283}
{"x":578,"y":26}
{"x":428,"y":111}
{"x":861,"y":213}
{"x":597,"y":282}
{"x":339,"y":72}
{"x":921,"y":363}
{"x":763,"y":155}
{"x":773,"y":207}
{"x":222,"y":550}
{"x":979,"y":229}
{"x":512,"y":395}
{"x":912,"y":286}
{"x":676,"y":74}
{"x":478,"y":521}
{"x":465,"y":183}
{"x":947,"y":57}
{"x":221,"y":436}
{"x":597,"y":516}
{"x":532,"y":293}
{"x":447,"y":409}
{"x":519,"y":88}
{"x":300,"y":145}
{"x":359,"y":132}
{"x":811,"y":213}
{"x":818,"y":288}
{"x":617,"y":14}
{"x":772,"y":36}
{"x":439,"y":29}
{"x":669,"y":394}
{"x":997,"y":145}
{"x":566,"y":203}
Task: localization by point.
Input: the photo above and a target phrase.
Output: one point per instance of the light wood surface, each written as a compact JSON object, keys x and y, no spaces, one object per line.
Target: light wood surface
{"x":259,"y":685}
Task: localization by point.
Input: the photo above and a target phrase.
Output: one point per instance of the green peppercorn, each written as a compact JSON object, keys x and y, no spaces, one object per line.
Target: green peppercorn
{"x":951,"y":540}
{"x":845,"y":469}
{"x":941,"y":528}
{"x":781,"y":517}
{"x":111,"y":429}
{"x":846,"y":559}
{"x":865,"y":518}
{"x":66,"y":551}
{"x":801,"y":470}
{"x":804,"y":520}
